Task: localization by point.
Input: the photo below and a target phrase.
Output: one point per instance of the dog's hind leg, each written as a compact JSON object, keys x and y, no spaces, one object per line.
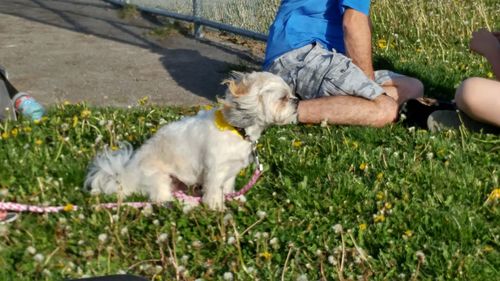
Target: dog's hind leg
{"x":159,"y":187}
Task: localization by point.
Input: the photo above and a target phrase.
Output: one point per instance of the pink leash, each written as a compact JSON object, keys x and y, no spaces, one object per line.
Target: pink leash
{"x":17,"y":207}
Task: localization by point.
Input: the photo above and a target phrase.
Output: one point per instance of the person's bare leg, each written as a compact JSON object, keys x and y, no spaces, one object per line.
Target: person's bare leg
{"x":479,"y":98}
{"x":349,"y":110}
{"x":404,"y":88}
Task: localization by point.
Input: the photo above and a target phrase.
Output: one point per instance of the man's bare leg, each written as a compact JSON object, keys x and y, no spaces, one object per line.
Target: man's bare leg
{"x":403,"y":88}
{"x":349,"y":110}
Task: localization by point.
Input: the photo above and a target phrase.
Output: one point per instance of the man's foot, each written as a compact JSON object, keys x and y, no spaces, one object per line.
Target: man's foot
{"x":453,"y":119}
{"x":28,"y":106}
{"x":6,"y":217}
{"x":415,"y":112}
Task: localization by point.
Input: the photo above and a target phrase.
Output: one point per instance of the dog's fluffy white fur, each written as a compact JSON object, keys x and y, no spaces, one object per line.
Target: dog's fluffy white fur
{"x":193,"y":150}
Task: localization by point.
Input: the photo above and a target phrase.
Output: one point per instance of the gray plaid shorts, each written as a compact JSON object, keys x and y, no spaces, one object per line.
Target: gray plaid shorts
{"x":313,"y":71}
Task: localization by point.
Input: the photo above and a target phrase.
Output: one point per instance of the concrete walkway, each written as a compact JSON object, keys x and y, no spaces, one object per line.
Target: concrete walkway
{"x":80,"y":50}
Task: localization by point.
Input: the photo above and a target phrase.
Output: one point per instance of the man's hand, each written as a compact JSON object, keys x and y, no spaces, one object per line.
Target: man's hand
{"x":358,"y":40}
{"x":485,"y":43}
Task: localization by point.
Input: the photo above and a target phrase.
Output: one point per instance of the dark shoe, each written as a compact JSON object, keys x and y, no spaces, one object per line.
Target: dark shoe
{"x":415,"y":112}
{"x":452,"y":119}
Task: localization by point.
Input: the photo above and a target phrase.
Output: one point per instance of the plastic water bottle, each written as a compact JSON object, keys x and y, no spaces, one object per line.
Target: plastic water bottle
{"x":28,"y":106}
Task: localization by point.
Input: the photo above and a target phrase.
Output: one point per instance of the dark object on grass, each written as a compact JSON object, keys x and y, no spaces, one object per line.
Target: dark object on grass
{"x":415,"y":112}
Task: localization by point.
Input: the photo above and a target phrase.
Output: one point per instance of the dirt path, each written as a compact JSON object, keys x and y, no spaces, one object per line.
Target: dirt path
{"x":80,"y":50}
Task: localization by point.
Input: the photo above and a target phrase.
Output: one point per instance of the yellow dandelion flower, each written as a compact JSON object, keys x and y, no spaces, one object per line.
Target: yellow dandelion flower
{"x":490,"y":74}
{"x":296,"y":143}
{"x":14,"y":132}
{"x":408,"y":233}
{"x":75,"y":121}
{"x":362,"y":226}
{"x":380,"y":196}
{"x":419,"y":50}
{"x":378,"y":218}
{"x":38,"y":142}
{"x":266,"y":255}
{"x":243,"y":173}
{"x":5,"y":135}
{"x":37,"y":121}
{"x":355,"y":144}
{"x":45,"y":118}
{"x":382,"y":43}
{"x":153,"y":130}
{"x":130,"y":138}
{"x":69,"y":207}
{"x":488,"y":248}
{"x":114,"y":147}
{"x":387,"y":206}
{"x":66,"y":102}
{"x":85,"y":113}
{"x":380,"y":176}
{"x":363,"y":166}
{"x":27,"y":129}
{"x":144,"y":100}
{"x":494,"y":195}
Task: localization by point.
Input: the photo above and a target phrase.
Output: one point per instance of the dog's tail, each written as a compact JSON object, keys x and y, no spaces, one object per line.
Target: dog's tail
{"x":107,"y":171}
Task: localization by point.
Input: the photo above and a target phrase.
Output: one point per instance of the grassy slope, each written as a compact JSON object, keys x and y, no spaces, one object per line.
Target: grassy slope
{"x":410,"y":203}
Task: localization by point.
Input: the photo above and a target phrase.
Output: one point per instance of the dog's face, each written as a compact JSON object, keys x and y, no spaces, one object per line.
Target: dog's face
{"x":259,"y":99}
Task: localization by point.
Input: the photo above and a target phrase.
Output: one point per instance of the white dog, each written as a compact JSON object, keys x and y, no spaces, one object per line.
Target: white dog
{"x":206,"y":150}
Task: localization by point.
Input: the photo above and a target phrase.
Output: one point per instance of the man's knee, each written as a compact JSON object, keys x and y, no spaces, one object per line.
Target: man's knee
{"x":411,"y":87}
{"x":387,"y":111}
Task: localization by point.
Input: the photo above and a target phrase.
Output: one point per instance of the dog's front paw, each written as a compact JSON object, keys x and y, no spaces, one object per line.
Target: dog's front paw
{"x":214,"y":202}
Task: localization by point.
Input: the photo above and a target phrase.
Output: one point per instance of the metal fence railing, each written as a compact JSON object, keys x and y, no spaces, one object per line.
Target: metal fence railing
{"x":249,"y":18}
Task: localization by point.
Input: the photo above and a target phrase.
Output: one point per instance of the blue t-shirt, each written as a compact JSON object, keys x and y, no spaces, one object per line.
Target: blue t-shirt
{"x":301,"y":22}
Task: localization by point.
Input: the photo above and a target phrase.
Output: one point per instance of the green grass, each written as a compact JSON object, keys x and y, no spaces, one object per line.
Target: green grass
{"x":334,"y":203}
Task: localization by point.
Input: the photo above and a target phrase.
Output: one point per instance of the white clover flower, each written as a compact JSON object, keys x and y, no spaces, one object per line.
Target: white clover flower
{"x":184,"y":258}
{"x":63,"y":220}
{"x":274,"y":241}
{"x":319,"y":252}
{"x":332,"y":260}
{"x":421,"y":256}
{"x":231,"y":240}
{"x":197,"y":244}
{"x":227,"y":218}
{"x":124,"y":231}
{"x":47,"y":273}
{"x":80,"y":242}
{"x":338,"y":228}
{"x":103,"y":238}
{"x":4,"y":192}
{"x":115,"y":218}
{"x":39,"y":258}
{"x":181,"y":269}
{"x":228,"y":276}
{"x":31,"y":250}
{"x":302,"y":277}
{"x":261,"y":214}
{"x":121,"y":271}
{"x":147,"y":211}
{"x":81,"y":216}
{"x":265,"y":235}
{"x":156,"y":222}
{"x":162,"y":238}
{"x":250,"y":270}
{"x":88,"y":253}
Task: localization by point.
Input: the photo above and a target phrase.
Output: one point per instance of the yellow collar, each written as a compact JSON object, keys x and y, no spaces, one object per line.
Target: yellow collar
{"x":221,"y":124}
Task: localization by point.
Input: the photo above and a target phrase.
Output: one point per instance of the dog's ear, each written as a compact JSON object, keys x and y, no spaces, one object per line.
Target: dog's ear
{"x":237,"y":88}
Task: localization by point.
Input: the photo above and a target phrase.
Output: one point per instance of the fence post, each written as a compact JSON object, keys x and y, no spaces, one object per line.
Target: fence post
{"x":198,"y":31}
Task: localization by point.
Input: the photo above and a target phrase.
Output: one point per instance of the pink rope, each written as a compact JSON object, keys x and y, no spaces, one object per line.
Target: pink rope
{"x":18,"y":207}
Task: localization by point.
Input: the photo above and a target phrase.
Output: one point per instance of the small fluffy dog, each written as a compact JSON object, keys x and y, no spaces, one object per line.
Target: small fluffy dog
{"x":206,"y":150}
